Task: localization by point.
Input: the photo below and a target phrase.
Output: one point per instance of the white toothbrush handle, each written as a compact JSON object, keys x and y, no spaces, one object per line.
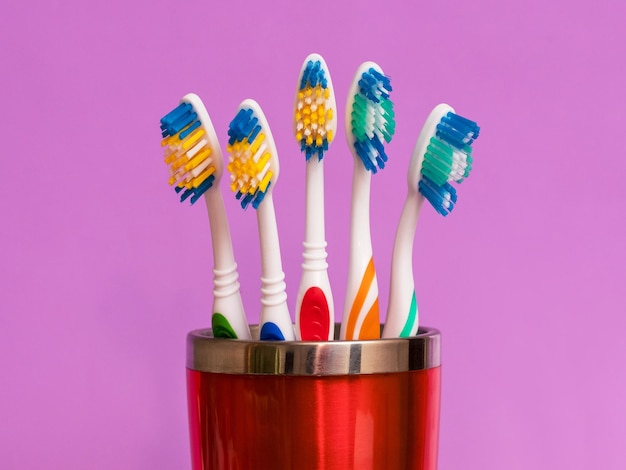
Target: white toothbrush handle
{"x":228,"y":312}
{"x":402,"y":312}
{"x":361,"y":316}
{"x":315,"y":311}
{"x":274,"y":318}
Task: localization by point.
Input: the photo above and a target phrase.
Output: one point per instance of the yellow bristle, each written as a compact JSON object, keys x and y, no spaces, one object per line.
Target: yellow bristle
{"x":265,"y":181}
{"x":300,"y":95}
{"x":170,"y":158}
{"x":299,"y":136}
{"x":329,"y":135}
{"x":202,"y":176}
{"x":260,"y":138}
{"x":318,"y":140}
{"x":327,"y":93}
{"x":298,"y":116}
{"x":309,"y":139}
{"x":329,"y":114}
{"x":263,"y":161}
{"x":180,"y":162}
{"x":166,"y":141}
{"x":192,"y":139}
{"x":199,"y":158}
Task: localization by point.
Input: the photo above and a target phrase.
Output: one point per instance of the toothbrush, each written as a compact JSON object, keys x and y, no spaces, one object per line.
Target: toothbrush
{"x":314,"y":125}
{"x":195,"y":158}
{"x":442,"y":154}
{"x":369,"y":123}
{"x":253,"y":166}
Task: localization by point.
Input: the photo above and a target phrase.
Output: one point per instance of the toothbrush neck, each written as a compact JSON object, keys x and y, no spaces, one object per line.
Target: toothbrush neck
{"x":314,"y":224}
{"x":271,"y":264}
{"x":360,"y":238}
{"x":402,"y":257}
{"x":223,"y":257}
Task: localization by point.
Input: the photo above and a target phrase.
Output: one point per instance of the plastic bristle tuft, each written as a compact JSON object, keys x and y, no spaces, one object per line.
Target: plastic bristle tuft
{"x":250,"y":159}
{"x":441,"y":197}
{"x":448,"y":158}
{"x":373,"y":119}
{"x":314,"y":111}
{"x":187,"y":152}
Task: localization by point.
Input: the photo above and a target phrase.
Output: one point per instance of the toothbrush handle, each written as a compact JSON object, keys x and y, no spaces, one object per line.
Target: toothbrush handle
{"x":361,"y":316}
{"x":315,"y":312}
{"x":228,"y":318}
{"x":275,"y":321}
{"x":402,"y":312}
{"x":315,"y":315}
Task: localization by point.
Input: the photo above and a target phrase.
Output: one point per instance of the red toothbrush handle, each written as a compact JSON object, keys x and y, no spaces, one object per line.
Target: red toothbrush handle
{"x":314,"y":315}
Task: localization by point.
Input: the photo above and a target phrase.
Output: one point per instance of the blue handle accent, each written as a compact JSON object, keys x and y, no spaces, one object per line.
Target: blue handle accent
{"x":271,"y":332}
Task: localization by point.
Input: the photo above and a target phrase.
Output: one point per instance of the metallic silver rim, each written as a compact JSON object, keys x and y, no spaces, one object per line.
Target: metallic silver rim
{"x":229,"y":356}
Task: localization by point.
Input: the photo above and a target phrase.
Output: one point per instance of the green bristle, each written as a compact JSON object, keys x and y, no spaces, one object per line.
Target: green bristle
{"x":359,"y":117}
{"x":390,"y":123}
{"x":437,"y":161}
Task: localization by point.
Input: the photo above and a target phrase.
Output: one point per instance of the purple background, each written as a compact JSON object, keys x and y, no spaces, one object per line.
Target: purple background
{"x":104,"y":272}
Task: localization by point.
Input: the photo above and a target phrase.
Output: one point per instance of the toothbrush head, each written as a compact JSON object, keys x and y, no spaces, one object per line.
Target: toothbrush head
{"x":253,"y":160}
{"x":315,"y":109}
{"x":191,"y":148}
{"x":442,"y":155}
{"x":370,"y":118}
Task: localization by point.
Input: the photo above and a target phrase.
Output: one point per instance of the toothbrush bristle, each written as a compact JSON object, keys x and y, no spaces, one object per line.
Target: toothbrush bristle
{"x":314,"y":111}
{"x":372,"y":119}
{"x":448,"y":158}
{"x":442,"y":197}
{"x":187,"y":152}
{"x":250,"y":159}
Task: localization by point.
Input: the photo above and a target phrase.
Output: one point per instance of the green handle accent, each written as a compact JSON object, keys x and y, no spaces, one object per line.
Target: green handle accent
{"x":408,"y":326}
{"x":221,"y":327}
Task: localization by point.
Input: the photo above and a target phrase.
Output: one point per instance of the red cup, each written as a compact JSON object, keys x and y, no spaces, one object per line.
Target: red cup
{"x":314,"y":405}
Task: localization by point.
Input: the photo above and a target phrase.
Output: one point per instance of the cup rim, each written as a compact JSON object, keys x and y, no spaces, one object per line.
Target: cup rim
{"x":206,"y":353}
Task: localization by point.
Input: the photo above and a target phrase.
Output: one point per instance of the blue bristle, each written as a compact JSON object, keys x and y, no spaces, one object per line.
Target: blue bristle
{"x":176,"y":120}
{"x":241,"y":125}
{"x":457,"y":130}
{"x":310,"y":150}
{"x":372,"y":153}
{"x":313,"y":75}
{"x":245,"y":200}
{"x":254,"y":132}
{"x":364,"y":150}
{"x":195,"y":193}
{"x":203,"y":188}
{"x":175,"y":114}
{"x":381,"y":158}
{"x":437,"y":194}
{"x":190,"y":129}
{"x":373,"y":83}
{"x":186,"y":193}
{"x":182,"y":121}
{"x":260,"y":195}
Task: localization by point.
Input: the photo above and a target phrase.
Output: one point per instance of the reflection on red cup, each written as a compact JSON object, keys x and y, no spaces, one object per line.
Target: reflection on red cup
{"x":303,"y":405}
